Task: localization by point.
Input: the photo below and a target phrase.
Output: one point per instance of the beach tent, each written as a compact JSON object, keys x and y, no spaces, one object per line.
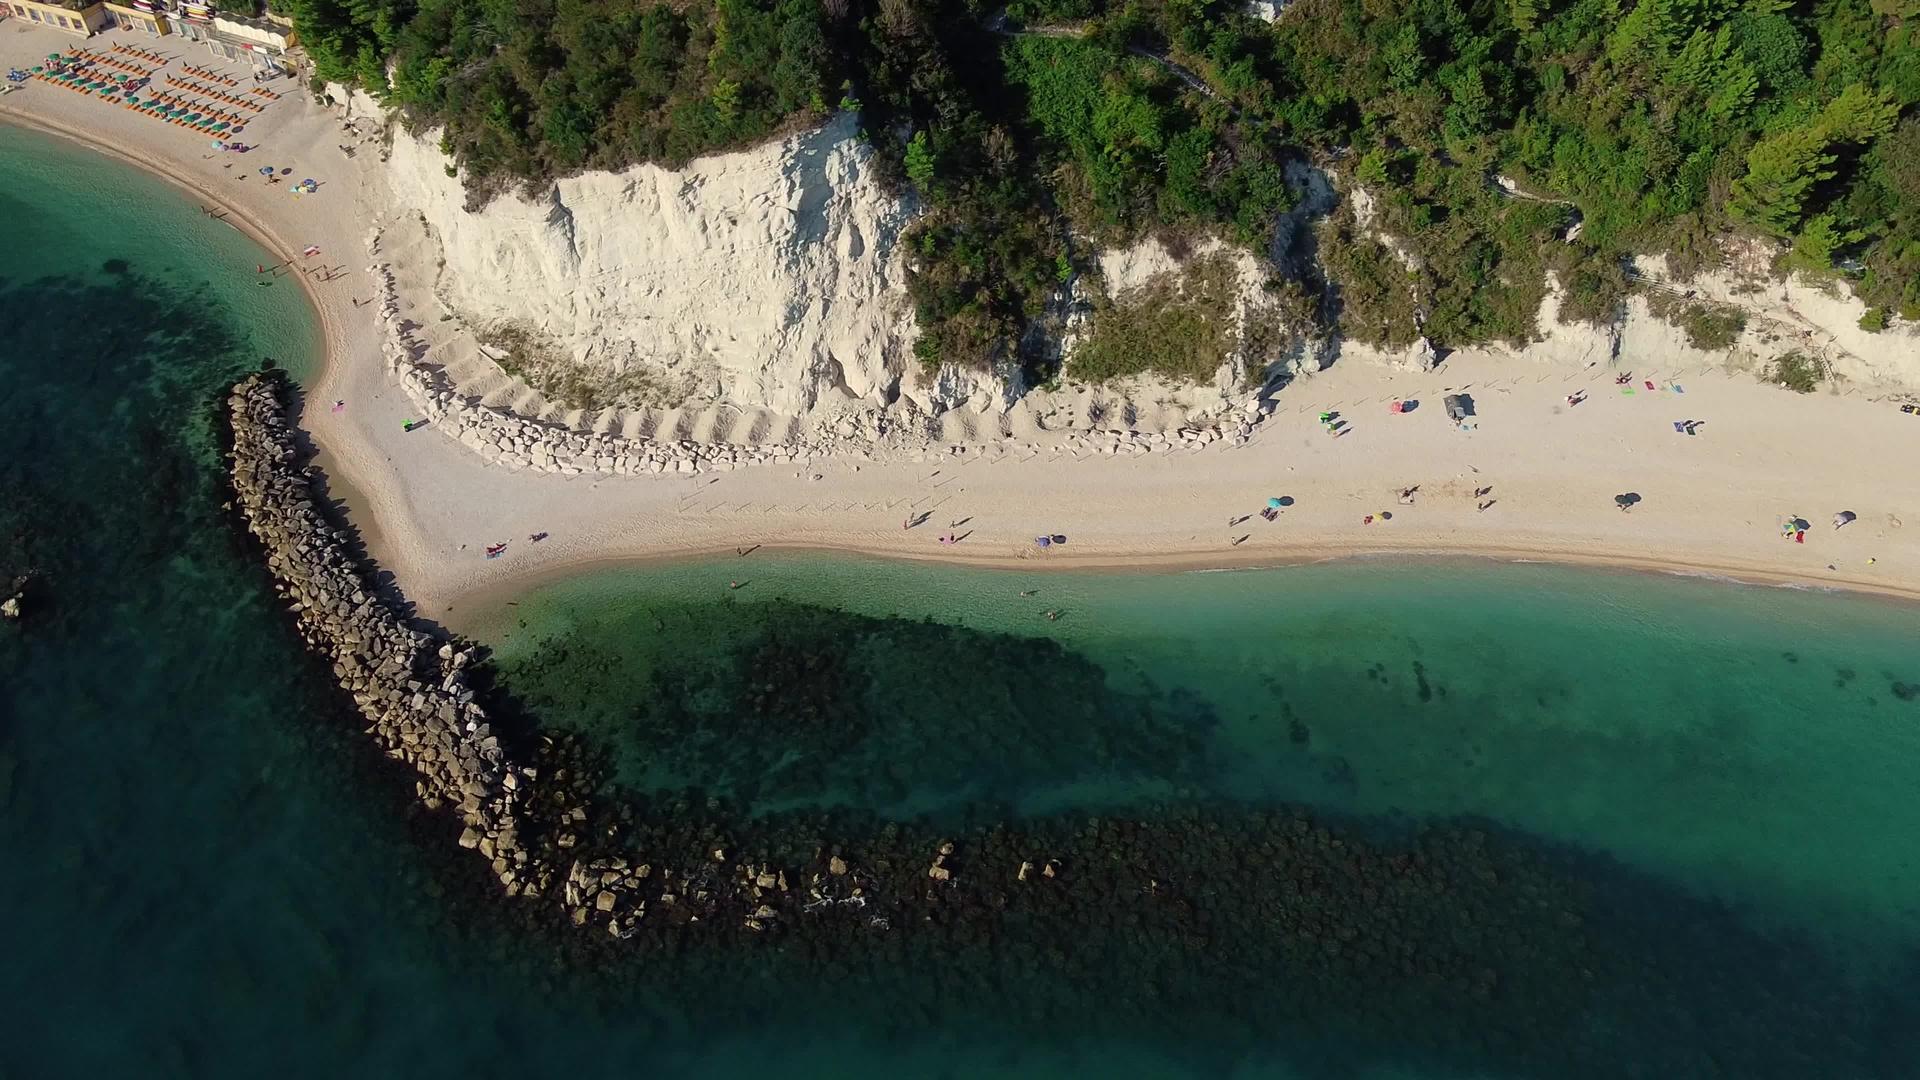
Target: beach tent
{"x":1844,"y":517}
{"x":1459,"y":406}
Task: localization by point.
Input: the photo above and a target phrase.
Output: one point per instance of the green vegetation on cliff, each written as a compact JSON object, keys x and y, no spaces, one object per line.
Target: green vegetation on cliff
{"x":1659,"y":125}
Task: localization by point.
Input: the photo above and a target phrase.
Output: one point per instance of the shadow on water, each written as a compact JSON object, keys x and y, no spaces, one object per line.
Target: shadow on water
{"x":783,"y":704}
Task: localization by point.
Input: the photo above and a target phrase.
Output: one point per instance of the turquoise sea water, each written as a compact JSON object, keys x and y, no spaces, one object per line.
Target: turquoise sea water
{"x":1651,"y":826}
{"x":1751,"y":742}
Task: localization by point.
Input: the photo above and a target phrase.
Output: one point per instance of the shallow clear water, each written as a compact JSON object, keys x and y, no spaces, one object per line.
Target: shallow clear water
{"x":1751,"y":742}
{"x":1690,"y":805}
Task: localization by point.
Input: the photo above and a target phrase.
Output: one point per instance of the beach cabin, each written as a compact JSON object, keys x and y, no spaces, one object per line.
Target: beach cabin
{"x":262,"y":42}
{"x":79,"y":19}
{"x":145,"y":16}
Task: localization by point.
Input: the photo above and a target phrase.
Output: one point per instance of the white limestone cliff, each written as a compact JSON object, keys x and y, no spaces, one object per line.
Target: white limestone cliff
{"x":768,"y":278}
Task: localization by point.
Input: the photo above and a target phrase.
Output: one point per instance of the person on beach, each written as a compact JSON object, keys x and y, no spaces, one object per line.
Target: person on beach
{"x":339,"y":405}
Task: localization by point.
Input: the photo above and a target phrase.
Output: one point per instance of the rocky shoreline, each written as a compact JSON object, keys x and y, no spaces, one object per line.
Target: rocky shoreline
{"x":413,"y":690}
{"x":409,"y":687}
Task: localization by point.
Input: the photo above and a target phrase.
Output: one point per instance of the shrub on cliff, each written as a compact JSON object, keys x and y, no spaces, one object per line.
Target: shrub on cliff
{"x":1798,"y":372}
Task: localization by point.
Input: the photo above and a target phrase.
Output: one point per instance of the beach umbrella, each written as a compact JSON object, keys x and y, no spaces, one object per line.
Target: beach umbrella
{"x":221,"y":126}
{"x":266,"y":170}
{"x":1273,"y":504}
{"x":1800,"y":524}
{"x":1626,"y":500}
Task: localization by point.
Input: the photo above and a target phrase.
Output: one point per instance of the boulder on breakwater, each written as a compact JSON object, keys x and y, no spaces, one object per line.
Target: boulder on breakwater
{"x":411,"y":688}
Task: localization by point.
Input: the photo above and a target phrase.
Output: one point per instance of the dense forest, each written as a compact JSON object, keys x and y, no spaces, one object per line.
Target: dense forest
{"x":1025,"y":134}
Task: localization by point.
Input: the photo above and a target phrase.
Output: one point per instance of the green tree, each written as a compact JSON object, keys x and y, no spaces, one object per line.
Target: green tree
{"x":1780,"y":172}
{"x":920,"y":163}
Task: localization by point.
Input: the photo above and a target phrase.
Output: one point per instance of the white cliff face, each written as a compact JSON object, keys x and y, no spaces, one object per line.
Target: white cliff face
{"x":1812,"y":317}
{"x":1148,"y":262}
{"x":769,"y":278}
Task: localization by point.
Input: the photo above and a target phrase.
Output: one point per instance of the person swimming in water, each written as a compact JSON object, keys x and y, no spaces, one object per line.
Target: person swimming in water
{"x":1029,"y":592}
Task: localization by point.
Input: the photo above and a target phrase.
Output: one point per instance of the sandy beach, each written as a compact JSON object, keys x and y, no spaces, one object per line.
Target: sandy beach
{"x":1546,"y":473}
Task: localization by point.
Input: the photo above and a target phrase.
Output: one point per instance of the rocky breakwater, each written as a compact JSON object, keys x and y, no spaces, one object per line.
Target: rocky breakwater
{"x":411,"y":688}
{"x":537,"y":825}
